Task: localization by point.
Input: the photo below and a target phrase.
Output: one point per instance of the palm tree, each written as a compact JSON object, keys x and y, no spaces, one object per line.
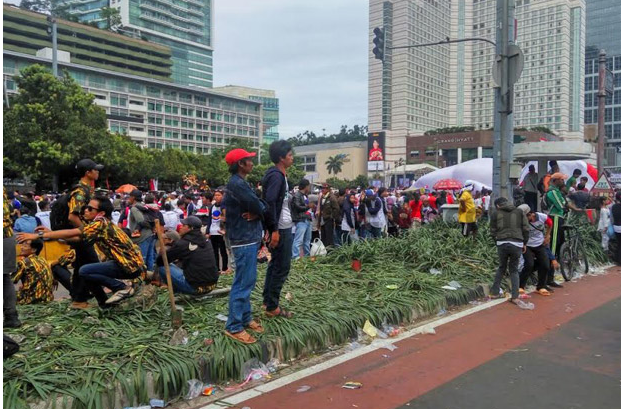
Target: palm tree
{"x":334,"y":164}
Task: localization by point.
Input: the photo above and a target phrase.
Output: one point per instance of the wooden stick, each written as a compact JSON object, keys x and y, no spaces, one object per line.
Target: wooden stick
{"x":160,"y":237}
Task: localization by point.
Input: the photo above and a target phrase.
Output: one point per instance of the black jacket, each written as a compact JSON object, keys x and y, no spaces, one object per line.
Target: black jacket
{"x":508,"y":223}
{"x":274,"y":190}
{"x":194,"y":255}
{"x":299,"y":208}
{"x":352,"y":222}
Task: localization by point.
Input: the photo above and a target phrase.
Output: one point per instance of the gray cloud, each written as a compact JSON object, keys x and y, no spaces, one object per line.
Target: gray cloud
{"x":314,"y":54}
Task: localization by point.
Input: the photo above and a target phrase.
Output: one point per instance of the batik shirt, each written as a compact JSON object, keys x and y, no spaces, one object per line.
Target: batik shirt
{"x":7,"y":223}
{"x":67,"y":258}
{"x":37,"y":280}
{"x":114,"y":244}
{"x":80,"y":196}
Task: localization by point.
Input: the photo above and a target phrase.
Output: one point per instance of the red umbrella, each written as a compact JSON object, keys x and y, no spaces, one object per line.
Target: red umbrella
{"x":126,"y":188}
{"x":447,"y":184}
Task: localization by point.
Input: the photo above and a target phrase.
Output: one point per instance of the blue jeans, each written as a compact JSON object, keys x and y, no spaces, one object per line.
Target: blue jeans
{"x":374,"y":232}
{"x":147,"y":248}
{"x":179,"y":283}
{"x":240,"y":310}
{"x":277,"y":270}
{"x":338,"y":233}
{"x":302,"y":238}
{"x":105,"y":274}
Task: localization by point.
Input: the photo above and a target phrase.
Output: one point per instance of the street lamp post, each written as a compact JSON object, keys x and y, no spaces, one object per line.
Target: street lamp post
{"x":54,"y":33}
{"x":601,"y":110}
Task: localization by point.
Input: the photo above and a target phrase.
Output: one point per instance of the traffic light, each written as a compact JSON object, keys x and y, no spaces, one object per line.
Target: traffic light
{"x":378,"y":40}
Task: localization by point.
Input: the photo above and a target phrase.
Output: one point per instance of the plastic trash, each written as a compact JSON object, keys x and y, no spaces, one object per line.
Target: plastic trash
{"x":352,"y":385}
{"x":429,"y":331}
{"x":195,"y":388}
{"x":392,"y":286}
{"x":272,"y":365}
{"x":475,"y":303}
{"x":441,"y":312}
{"x":222,"y":317}
{"x":354,"y":345}
{"x":303,"y":388}
{"x":390,"y":347}
{"x":448,"y":287}
{"x":369,"y":329}
{"x":208,"y":391}
{"x":524,"y":296}
{"x":435,"y":271}
{"x":525,"y":305}
{"x":254,"y":369}
{"x":454,"y":284}
{"x":157,"y":403}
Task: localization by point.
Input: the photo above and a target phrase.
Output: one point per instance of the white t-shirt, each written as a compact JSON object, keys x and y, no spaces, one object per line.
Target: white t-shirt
{"x":45,"y":218}
{"x":216,"y":214}
{"x":537,"y":230}
{"x":487,"y":199}
{"x":285,"y":221}
{"x":116,"y":215}
{"x":344,"y":226}
{"x":171,"y":219}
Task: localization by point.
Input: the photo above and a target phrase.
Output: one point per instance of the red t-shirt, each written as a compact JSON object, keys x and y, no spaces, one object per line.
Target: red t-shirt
{"x":432,"y":202}
{"x":449,"y":199}
{"x":415,"y":209}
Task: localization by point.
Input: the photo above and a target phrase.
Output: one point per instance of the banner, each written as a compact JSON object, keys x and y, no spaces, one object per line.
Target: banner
{"x":376,"y":144}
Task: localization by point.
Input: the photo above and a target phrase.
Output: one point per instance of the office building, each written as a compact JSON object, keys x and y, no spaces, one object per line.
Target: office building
{"x":186,"y":26}
{"x":449,"y":85}
{"x":26,"y":32}
{"x":269,"y":103}
{"x":602,"y":25}
{"x":312,"y":159}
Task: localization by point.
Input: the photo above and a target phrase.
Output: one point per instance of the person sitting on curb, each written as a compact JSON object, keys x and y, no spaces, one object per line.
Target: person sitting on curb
{"x":35,"y":274}
{"x":124,"y":260}
{"x":197,"y":273}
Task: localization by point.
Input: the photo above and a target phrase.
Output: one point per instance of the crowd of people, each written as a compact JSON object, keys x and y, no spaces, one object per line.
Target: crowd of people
{"x":113,"y":237}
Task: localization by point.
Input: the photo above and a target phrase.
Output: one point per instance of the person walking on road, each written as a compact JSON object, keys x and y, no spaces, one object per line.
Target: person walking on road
{"x":509,"y":228}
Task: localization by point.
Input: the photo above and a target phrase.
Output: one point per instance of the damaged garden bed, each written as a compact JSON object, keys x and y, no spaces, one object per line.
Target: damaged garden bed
{"x":124,"y":357}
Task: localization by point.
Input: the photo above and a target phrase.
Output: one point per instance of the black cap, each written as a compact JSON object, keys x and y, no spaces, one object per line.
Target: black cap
{"x":85,"y":165}
{"x":192,"y":221}
{"x":136,"y":193}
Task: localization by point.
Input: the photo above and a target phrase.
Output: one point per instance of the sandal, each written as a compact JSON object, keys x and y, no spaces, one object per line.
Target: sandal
{"x":494,"y":297}
{"x":256,"y":327}
{"x":278,"y":312}
{"x":522,"y":291}
{"x":543,"y":291}
{"x":241,"y":336}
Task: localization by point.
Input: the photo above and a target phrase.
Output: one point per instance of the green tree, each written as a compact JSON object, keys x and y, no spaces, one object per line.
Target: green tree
{"x":334,"y":164}
{"x":112,"y":16}
{"x":51,"y":123}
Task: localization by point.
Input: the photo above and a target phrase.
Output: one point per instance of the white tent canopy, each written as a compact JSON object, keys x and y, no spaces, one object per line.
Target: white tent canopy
{"x":479,"y":171}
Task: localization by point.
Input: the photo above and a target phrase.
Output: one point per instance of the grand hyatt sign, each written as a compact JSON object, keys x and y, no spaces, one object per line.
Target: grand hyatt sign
{"x":455,"y":140}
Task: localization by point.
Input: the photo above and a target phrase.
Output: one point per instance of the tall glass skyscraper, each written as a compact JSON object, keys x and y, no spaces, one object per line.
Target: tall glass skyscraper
{"x":185,"y":26}
{"x":603,"y":23}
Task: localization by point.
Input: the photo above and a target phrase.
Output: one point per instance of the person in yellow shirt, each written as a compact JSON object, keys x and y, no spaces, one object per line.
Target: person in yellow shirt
{"x":467,"y":213}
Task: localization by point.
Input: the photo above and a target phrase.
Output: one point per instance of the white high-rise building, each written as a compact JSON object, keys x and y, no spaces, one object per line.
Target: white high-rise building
{"x":427,"y":88}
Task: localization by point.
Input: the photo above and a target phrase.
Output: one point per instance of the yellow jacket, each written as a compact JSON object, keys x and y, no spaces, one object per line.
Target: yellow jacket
{"x":467,"y":211}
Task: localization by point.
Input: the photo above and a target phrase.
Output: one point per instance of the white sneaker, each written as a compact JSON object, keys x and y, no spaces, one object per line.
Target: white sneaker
{"x":120,"y":295}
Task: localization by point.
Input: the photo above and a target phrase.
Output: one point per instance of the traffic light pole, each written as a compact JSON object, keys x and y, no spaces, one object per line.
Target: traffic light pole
{"x":503,"y":101}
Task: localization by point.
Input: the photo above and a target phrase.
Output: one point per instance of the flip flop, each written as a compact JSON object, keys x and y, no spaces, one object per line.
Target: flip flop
{"x":278,"y":312}
{"x":241,"y":336}
{"x":544,"y":292}
{"x":522,"y":291}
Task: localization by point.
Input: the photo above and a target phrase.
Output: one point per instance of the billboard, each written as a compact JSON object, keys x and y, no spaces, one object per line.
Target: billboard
{"x":376,"y":144}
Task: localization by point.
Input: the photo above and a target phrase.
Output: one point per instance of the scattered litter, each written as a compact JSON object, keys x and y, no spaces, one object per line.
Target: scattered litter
{"x":448,"y":287}
{"x":598,"y":355}
{"x":18,"y":338}
{"x":578,"y":338}
{"x":138,"y":407}
{"x":385,"y":356}
{"x":392,"y":286}
{"x":475,"y":302}
{"x":435,"y":271}
{"x":180,"y":308}
{"x":303,"y":388}
{"x":90,"y":320}
{"x":441,"y":312}
{"x":524,"y":296}
{"x":454,"y":284}
{"x":429,"y":331}
{"x":369,"y":329}
{"x":288,"y":296}
{"x":157,"y":403}
{"x":207,"y":341}
{"x":390,"y":330}
{"x":100,"y":334}
{"x":195,"y":333}
{"x":43,"y":330}
{"x":568,"y":308}
{"x":352,"y":385}
{"x":354,"y":345}
{"x":272,"y":365}
{"x":246,"y":407}
{"x":390,"y":347}
{"x":195,"y":388}
{"x":525,"y":305}
{"x":208,"y":391}
{"x":222,"y":317}
{"x":519,"y":368}
{"x":180,"y":337}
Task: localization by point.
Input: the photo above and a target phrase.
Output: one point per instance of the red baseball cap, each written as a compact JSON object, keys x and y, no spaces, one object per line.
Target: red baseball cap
{"x":238,"y":154}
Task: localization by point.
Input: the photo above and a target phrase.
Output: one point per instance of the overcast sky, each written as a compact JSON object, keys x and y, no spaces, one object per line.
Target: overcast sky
{"x":312,"y":53}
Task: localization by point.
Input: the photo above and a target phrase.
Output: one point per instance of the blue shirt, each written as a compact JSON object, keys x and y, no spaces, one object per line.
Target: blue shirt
{"x":240,"y":199}
{"x":25,"y":224}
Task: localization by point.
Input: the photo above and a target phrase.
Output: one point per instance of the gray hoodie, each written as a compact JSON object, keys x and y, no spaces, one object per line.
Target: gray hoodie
{"x":508,"y":223}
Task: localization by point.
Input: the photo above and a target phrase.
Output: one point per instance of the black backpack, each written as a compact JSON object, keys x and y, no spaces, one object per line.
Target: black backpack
{"x":59,"y":216}
{"x":150,"y":216}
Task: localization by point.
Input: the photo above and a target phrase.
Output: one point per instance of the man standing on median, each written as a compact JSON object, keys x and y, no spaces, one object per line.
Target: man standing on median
{"x":244,"y":212}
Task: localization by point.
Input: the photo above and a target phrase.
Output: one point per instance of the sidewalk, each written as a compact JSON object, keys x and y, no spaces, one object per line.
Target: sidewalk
{"x":425,"y":362}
